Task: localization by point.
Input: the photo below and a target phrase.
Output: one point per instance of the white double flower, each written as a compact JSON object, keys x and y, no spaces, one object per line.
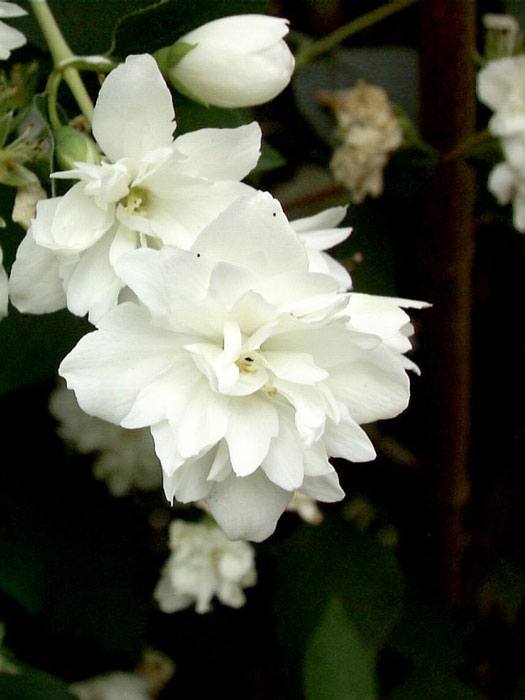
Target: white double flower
{"x":246,"y":365}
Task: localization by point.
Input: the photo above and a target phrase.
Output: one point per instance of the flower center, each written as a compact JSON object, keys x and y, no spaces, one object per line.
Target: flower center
{"x":136,"y":201}
{"x":248,"y":364}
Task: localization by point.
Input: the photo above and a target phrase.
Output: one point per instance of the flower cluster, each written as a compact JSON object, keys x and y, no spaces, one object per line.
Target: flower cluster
{"x":369,"y":131}
{"x":204,"y":563}
{"x":501,"y":86}
{"x":222,"y":328}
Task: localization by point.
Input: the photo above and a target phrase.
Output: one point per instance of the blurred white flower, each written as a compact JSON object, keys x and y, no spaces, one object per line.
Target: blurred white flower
{"x":237,"y":61}
{"x":204,"y":563}
{"x":126,"y":459}
{"x":501,"y":86}
{"x":243,"y":363}
{"x":151,"y":191}
{"x":369,"y":131}
{"x":10,"y":38}
{"x":306,"y":508}
{"x":507,"y":184}
{"x":4,"y":288}
{"x":26,"y":198}
{"x":112,"y":686}
{"x":319,"y":233}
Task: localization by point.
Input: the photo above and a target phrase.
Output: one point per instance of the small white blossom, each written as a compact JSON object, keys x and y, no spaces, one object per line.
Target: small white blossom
{"x":246,"y":366}
{"x":237,"y":61}
{"x":306,"y":508}
{"x":318,"y":233}
{"x":501,"y":86}
{"x":151,"y":191}
{"x":126,"y":459}
{"x":502,"y":35}
{"x":112,"y":686}
{"x":204,"y":563}
{"x":369,"y":132}
{"x":10,"y":38}
{"x":4,"y":288}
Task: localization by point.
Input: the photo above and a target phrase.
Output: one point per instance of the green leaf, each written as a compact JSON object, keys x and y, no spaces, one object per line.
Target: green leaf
{"x":163,"y":22}
{"x":333,"y":559}
{"x":337,"y":666}
{"x":33,"y":685}
{"x":87,"y":25}
{"x":191,"y":116}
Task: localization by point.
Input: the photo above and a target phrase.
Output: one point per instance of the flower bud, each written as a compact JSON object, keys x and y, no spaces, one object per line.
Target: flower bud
{"x":73,"y":146}
{"x":237,"y":61}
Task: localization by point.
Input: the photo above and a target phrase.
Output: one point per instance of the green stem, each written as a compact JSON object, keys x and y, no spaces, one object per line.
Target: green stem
{"x":60,"y":51}
{"x":310,"y":51}
{"x":465,"y":147}
{"x":52,"y":91}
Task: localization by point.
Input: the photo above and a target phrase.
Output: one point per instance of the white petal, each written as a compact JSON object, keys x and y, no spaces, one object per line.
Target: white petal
{"x":10,"y":39}
{"x":221,"y":154}
{"x":349,"y":441}
{"x":108,"y":368}
{"x":78,"y":222}
{"x":249,"y":32}
{"x":253,"y":233}
{"x":327,"y":219}
{"x":498,"y":78}
{"x":283,"y":464}
{"x":204,"y":421}
{"x":4,"y":289}
{"x":11,"y":9}
{"x":373,"y":386}
{"x":166,"y":449}
{"x":296,"y":367}
{"x":323,"y":488}
{"x":35,"y":286}
{"x":134,"y":112}
{"x":502,"y":183}
{"x":252,"y":424}
{"x":93,"y":287}
{"x":247,"y":507}
{"x":189,"y":482}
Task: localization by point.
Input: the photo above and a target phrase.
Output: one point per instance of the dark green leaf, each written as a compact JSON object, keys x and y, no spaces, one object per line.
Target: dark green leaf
{"x":33,"y":685}
{"x":434,"y":684}
{"x":86,"y":24}
{"x":337,"y":666}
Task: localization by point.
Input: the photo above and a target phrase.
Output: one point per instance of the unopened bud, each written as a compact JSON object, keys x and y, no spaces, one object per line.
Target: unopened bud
{"x":74,"y":146}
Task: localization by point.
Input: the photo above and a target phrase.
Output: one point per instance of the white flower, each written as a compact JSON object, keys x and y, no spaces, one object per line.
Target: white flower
{"x":4,"y":288}
{"x":10,"y":38}
{"x":125,"y":459}
{"x":151,"y":191}
{"x":507,"y":184}
{"x":237,"y":61}
{"x":306,"y":508}
{"x":318,"y":233}
{"x":501,"y":86}
{"x":242,"y":363}
{"x":502,"y":35}
{"x":112,"y":686}
{"x":204,"y":563}
{"x":369,"y":131}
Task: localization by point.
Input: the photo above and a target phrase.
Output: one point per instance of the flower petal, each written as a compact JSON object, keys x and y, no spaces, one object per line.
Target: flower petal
{"x":35,"y":286}
{"x":134,"y":112}
{"x":252,"y":424}
{"x":220,"y":154}
{"x":247,"y":507}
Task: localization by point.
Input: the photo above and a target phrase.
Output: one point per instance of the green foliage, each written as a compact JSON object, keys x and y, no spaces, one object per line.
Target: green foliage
{"x":337,"y":666}
{"x":33,"y":685}
{"x":432,"y":640}
{"x":333,"y":559}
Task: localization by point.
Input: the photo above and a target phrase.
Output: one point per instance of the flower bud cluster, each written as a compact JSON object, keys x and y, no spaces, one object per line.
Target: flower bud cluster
{"x":369,"y":132}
